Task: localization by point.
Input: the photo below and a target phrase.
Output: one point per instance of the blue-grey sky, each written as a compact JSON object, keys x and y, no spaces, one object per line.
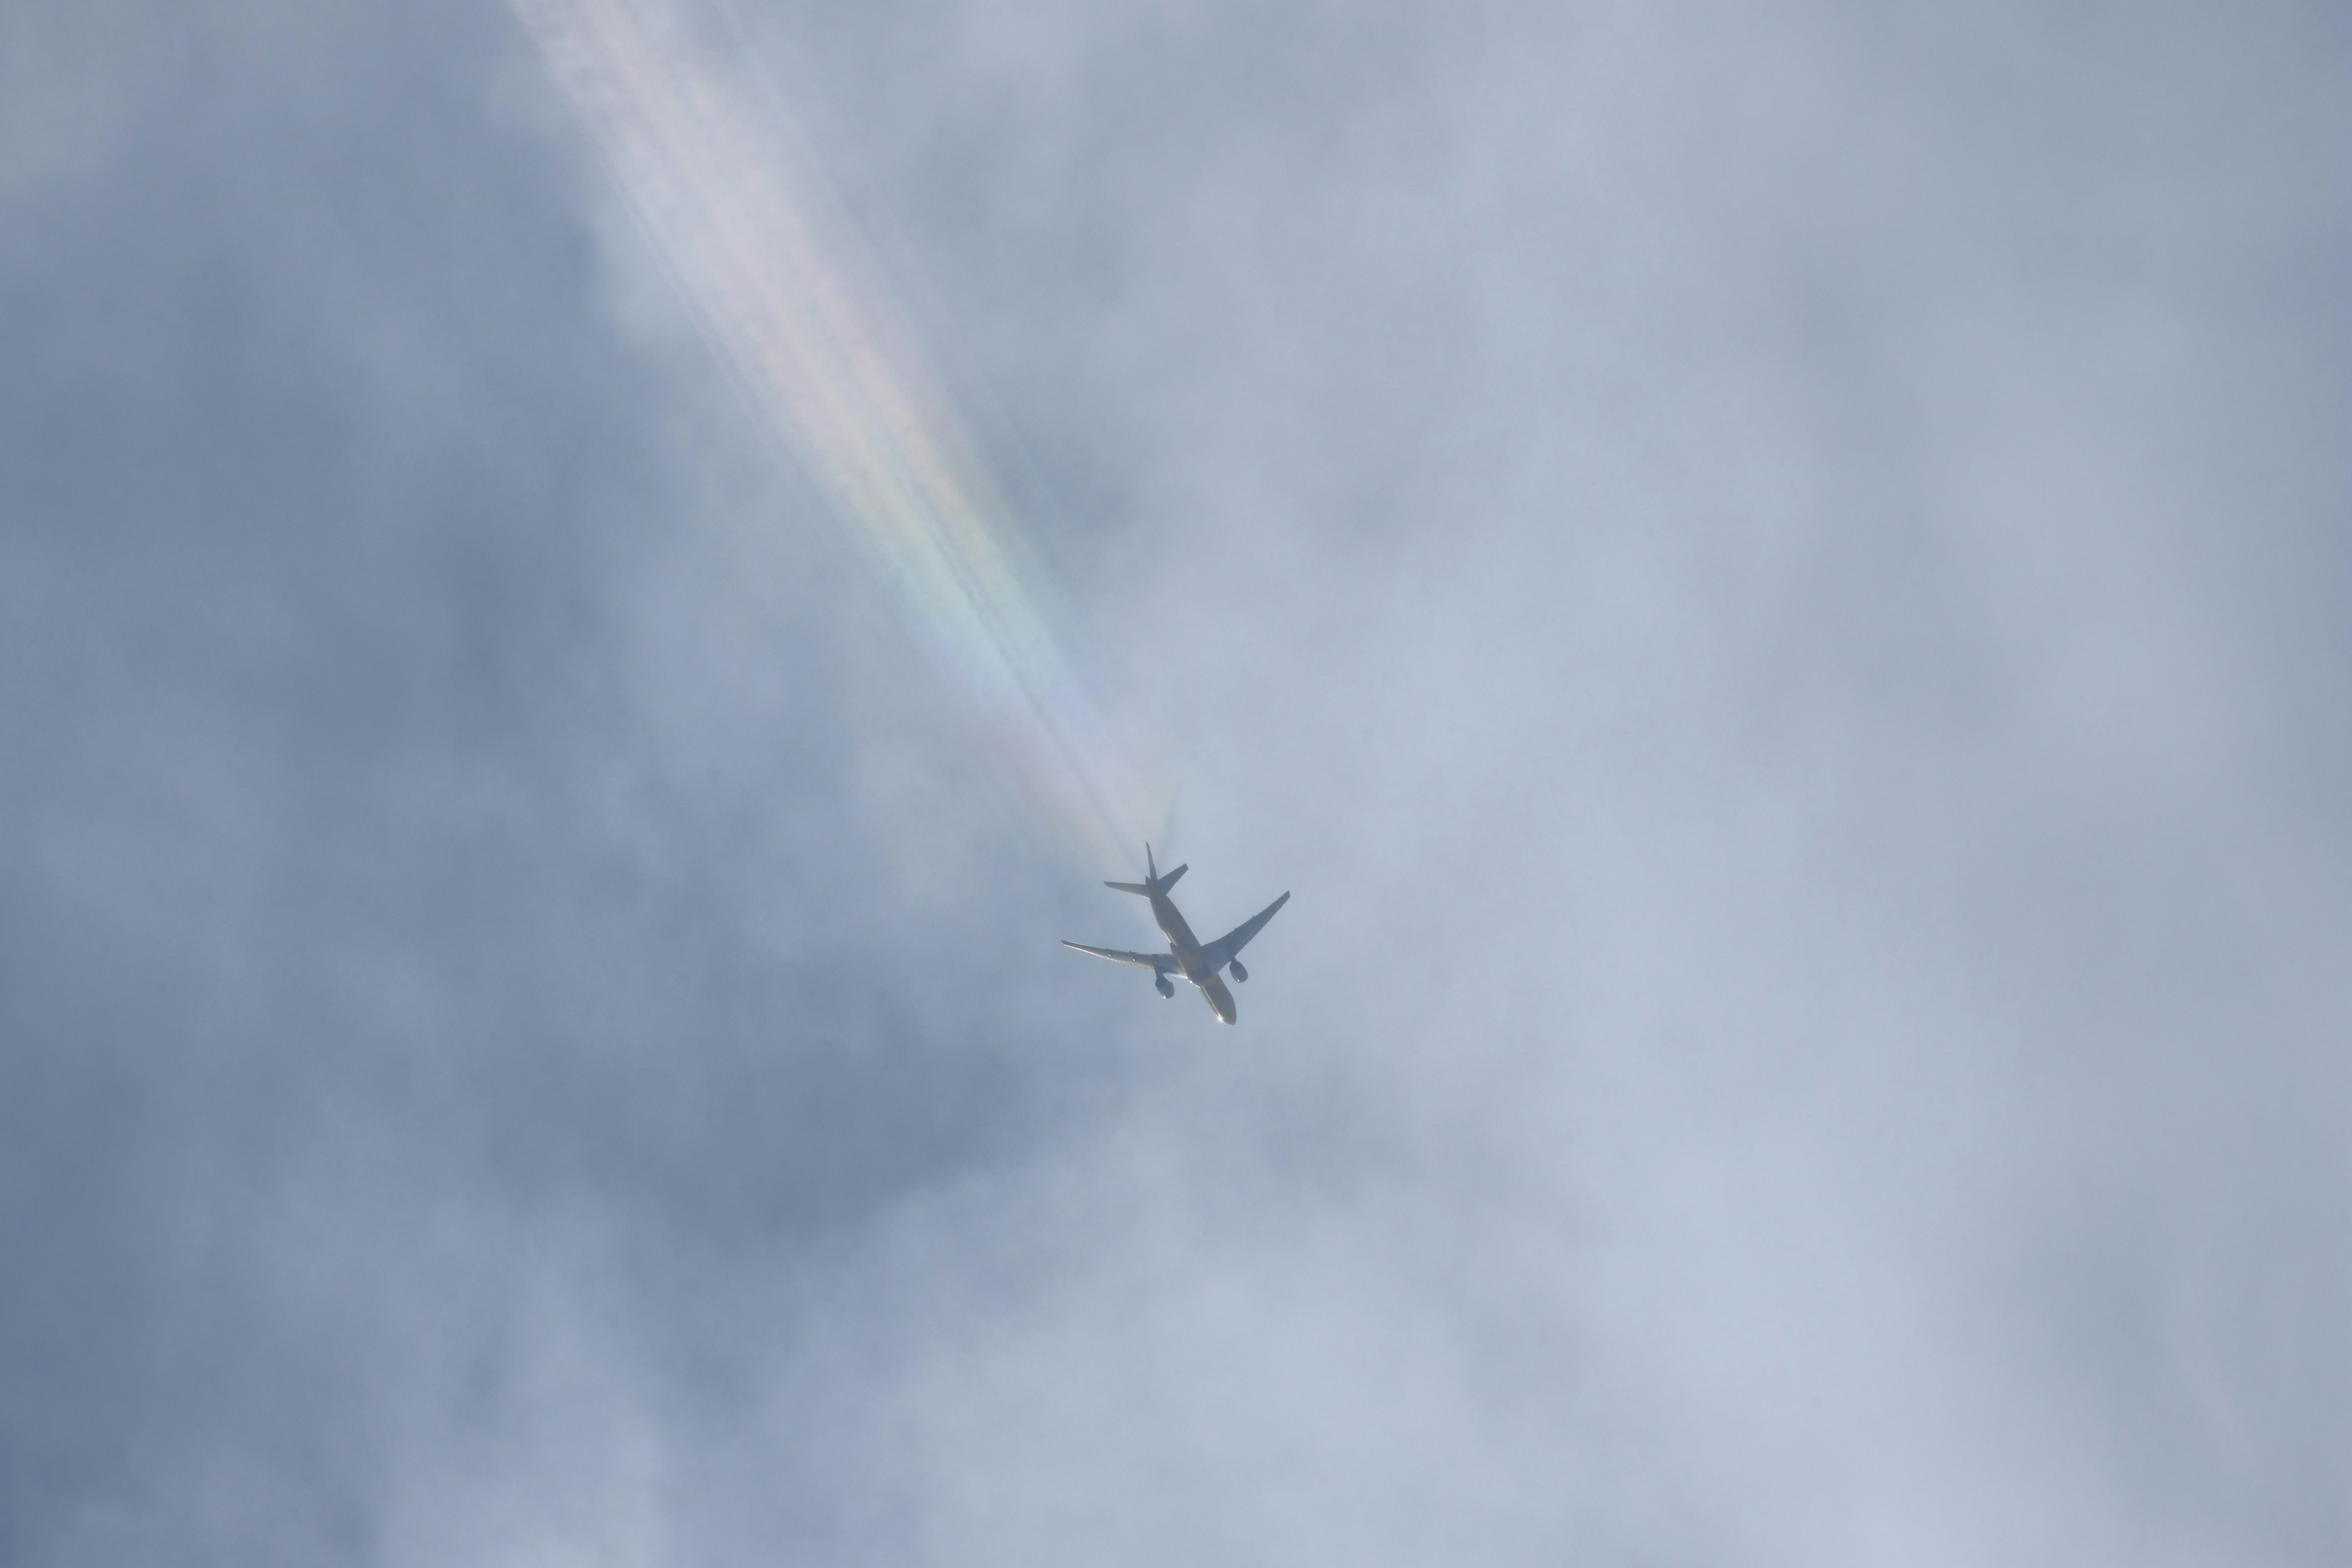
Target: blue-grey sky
{"x":1778,"y":583}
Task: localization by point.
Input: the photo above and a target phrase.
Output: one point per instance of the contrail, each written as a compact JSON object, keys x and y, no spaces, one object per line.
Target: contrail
{"x":795,"y":310}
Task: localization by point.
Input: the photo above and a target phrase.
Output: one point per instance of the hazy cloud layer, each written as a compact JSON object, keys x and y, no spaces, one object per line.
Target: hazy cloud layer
{"x":1776,"y":586}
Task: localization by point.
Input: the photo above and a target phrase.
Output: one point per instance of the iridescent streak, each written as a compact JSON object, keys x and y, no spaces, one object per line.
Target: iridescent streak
{"x":747,"y":228}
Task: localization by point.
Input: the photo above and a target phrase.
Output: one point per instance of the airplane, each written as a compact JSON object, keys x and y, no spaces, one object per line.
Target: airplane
{"x":1186,"y":955}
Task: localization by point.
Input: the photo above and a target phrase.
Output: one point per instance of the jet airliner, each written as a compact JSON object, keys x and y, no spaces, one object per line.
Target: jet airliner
{"x":1186,"y":955}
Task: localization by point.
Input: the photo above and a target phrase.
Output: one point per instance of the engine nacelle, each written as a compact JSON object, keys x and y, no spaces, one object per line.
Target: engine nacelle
{"x":1238,"y":972}
{"x":1159,"y":984}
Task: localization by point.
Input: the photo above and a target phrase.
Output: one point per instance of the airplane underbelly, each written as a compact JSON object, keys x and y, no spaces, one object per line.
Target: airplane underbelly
{"x":1179,"y":935}
{"x":1221,"y":1001}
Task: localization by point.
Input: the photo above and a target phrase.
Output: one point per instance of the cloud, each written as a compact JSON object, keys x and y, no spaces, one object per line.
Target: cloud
{"x":1765,"y":582}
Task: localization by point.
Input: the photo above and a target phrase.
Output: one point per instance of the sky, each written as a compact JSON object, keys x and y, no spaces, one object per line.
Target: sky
{"x":1777,"y":584}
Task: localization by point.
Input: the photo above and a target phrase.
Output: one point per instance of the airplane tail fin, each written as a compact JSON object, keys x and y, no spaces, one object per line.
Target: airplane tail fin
{"x":1153,"y":882}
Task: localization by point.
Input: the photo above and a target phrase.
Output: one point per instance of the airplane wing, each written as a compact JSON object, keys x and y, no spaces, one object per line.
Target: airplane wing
{"x":1220,"y":953}
{"x":1158,"y":962}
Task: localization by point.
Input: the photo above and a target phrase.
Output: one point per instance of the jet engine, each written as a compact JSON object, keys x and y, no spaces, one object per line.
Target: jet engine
{"x":1159,"y":984}
{"x":1239,"y":972}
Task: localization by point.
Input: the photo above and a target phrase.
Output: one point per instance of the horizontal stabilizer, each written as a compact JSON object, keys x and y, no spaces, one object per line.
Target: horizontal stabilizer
{"x":1168,"y":880}
{"x":1138,"y":889}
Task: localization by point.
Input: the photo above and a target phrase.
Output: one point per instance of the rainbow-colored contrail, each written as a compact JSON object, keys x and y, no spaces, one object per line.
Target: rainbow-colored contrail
{"x":746,"y":226}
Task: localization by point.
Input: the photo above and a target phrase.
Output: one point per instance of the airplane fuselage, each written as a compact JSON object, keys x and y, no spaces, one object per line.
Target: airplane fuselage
{"x":1188,"y":962}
